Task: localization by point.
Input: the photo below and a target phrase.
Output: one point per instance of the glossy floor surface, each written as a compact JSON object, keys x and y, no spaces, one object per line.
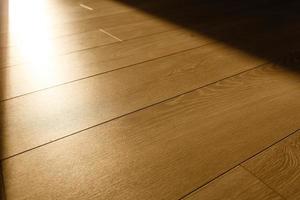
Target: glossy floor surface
{"x":171,"y":99}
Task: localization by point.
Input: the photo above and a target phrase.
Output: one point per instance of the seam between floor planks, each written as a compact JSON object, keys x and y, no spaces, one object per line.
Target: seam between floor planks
{"x":105,"y":72}
{"x":206,"y":68}
{"x":134,"y":111}
{"x":233,"y":187}
{"x":240,"y":164}
{"x":262,"y":181}
{"x":100,"y":59}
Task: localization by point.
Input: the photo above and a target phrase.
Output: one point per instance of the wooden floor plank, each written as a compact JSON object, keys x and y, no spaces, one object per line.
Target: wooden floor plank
{"x":279,"y":166}
{"x":112,"y":94}
{"x":236,"y":184}
{"x":161,"y":152}
{"x":127,"y":52}
{"x":34,"y":76}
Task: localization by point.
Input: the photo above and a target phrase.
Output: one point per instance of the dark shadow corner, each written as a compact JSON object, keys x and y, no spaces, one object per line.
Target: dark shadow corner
{"x":269,"y":29}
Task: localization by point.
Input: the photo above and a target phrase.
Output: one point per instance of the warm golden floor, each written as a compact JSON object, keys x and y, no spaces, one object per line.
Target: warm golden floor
{"x":128,"y":99}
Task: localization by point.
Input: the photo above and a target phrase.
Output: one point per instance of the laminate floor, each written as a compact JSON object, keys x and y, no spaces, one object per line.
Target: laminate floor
{"x":128,"y":99}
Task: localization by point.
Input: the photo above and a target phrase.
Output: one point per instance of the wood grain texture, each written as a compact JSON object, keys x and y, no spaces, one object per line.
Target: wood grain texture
{"x":30,"y":77}
{"x":58,"y":112}
{"x":237,"y":184}
{"x":279,"y":166}
{"x":163,"y":151}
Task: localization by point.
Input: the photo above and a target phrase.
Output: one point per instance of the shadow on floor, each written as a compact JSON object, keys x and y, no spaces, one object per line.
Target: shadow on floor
{"x":269,"y":29}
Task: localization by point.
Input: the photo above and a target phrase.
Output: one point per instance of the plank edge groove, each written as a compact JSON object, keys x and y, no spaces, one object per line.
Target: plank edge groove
{"x":134,"y":111}
{"x":241,"y":165}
